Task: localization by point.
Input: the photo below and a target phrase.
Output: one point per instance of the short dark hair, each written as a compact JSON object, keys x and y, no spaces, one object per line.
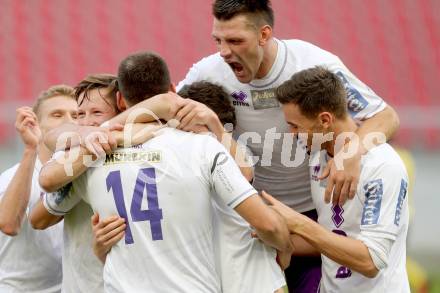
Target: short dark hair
{"x":213,"y":96}
{"x":98,"y":81}
{"x":260,"y":10}
{"x":143,"y":75}
{"x":314,"y":90}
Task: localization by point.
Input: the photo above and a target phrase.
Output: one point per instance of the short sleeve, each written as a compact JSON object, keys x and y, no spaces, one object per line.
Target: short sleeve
{"x":62,"y":201}
{"x":225,"y":176}
{"x":362,"y":102}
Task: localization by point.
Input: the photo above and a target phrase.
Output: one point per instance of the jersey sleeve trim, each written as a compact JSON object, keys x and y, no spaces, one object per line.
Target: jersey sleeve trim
{"x":48,"y":205}
{"x":379,"y":108}
{"x":238,"y":199}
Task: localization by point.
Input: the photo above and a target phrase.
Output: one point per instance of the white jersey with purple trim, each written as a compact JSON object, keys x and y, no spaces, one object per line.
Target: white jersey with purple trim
{"x":260,"y":121}
{"x":378,"y":216}
{"x":30,"y":261}
{"x":163,"y":188}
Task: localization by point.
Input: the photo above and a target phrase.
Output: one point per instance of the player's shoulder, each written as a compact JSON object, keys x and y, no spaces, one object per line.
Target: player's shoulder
{"x":383,"y":160}
{"x":169,"y":137}
{"x":212,"y":65}
{"x":309,"y":54}
{"x":211,"y":60}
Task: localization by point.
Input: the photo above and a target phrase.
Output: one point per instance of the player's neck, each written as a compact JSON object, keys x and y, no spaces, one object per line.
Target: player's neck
{"x":342,"y":127}
{"x":44,"y":154}
{"x":270,"y":54}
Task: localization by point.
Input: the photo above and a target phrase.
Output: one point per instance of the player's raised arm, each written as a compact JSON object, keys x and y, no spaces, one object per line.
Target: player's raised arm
{"x":14,"y":197}
{"x":162,"y":106}
{"x":52,"y":207}
{"x":63,"y":169}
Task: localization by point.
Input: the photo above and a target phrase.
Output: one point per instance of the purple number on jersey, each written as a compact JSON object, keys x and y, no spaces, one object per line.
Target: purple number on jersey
{"x":114,"y":183}
{"x":146,"y":179}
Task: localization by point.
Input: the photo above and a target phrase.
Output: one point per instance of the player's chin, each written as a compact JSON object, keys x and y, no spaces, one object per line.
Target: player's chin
{"x":244,"y":78}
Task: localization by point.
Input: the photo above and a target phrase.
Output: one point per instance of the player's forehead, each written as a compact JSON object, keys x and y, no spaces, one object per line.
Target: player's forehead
{"x":293,"y":115}
{"x":238,"y":26}
{"x":58,"y":104}
{"x":95,"y":98}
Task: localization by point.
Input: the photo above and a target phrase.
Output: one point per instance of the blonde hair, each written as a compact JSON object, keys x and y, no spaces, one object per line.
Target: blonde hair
{"x":53,"y":91}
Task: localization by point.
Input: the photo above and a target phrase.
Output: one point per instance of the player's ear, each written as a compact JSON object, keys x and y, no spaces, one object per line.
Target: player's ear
{"x":173,"y":88}
{"x":265,"y":34}
{"x":120,"y":102}
{"x":326,"y":120}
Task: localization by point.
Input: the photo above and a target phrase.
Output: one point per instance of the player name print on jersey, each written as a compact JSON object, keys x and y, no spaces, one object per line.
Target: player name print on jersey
{"x":355,"y":101}
{"x":264,"y":99}
{"x":118,"y":157}
{"x":373,"y":199}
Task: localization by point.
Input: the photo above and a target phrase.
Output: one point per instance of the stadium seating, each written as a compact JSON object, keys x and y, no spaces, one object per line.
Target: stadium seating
{"x":393,"y":46}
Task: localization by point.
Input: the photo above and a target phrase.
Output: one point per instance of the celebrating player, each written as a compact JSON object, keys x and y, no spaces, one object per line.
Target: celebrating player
{"x":96,"y":98}
{"x":30,"y":259}
{"x":363,"y":242}
{"x":250,"y":65}
{"x":244,"y":265}
{"x":178,"y":171}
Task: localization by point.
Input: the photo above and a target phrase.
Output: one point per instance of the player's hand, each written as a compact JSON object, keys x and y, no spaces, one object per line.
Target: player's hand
{"x":342,"y":184}
{"x":278,"y":206}
{"x":97,"y":140}
{"x":194,"y":114}
{"x":137,"y":133}
{"x":26,"y":124}
{"x":106,"y":233}
{"x":283,"y":259}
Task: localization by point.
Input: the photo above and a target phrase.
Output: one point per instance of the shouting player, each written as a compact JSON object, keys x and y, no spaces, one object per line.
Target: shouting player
{"x":250,"y":64}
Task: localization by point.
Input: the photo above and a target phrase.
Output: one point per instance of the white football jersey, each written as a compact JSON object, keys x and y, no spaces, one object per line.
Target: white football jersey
{"x":30,"y":261}
{"x":163,"y":189}
{"x":245,"y":264}
{"x":377,"y":215}
{"x":281,"y":169}
{"x":82,"y":270}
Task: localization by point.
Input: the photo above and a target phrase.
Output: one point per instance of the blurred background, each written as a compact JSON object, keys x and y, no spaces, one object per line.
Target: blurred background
{"x":391,"y":45}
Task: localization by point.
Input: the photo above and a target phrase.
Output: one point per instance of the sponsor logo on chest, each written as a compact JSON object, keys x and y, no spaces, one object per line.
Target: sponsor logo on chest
{"x":239,"y":99}
{"x":137,"y":156}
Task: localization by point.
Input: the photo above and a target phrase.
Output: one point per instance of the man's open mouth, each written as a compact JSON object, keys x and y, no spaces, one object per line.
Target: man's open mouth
{"x":237,"y":68}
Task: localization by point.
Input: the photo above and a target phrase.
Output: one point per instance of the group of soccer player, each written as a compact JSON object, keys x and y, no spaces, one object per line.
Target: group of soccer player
{"x":127,"y":186}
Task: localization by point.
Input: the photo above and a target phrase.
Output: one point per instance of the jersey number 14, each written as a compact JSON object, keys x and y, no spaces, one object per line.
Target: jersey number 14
{"x":146,"y":180}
